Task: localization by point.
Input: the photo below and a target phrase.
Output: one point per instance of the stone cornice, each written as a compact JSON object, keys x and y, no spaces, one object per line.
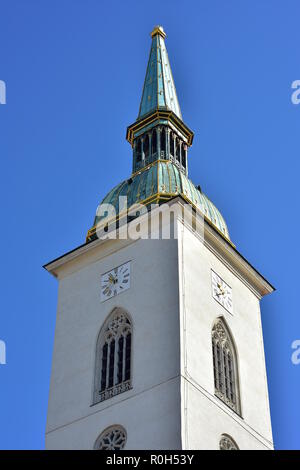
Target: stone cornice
{"x":214,"y":241}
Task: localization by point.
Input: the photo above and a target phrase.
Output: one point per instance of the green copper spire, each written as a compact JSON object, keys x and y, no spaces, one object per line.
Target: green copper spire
{"x":160,"y":141}
{"x":159,"y":132}
{"x":159,"y":90}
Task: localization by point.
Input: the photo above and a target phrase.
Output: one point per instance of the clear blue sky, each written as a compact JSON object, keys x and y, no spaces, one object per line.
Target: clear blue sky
{"x":74,"y":71}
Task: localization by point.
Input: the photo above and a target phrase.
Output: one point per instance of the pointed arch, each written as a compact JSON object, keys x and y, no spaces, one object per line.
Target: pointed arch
{"x":227,"y":443}
{"x":225,"y":363}
{"x":113,"y":356}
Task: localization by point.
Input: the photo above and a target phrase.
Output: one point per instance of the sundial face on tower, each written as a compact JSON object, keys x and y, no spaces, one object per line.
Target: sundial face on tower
{"x":115,"y":281}
{"x":221,"y":292}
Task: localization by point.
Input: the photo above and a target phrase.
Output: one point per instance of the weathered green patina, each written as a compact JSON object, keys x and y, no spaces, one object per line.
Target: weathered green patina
{"x":160,"y":140}
{"x":162,"y":181}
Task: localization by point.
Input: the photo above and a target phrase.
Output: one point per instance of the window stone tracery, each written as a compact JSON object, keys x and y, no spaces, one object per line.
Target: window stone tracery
{"x":225,"y":366}
{"x":227,"y":443}
{"x":112,"y":438}
{"x":113,"y":357}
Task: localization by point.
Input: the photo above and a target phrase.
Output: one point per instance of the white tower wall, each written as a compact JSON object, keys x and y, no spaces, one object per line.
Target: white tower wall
{"x":150,"y":412}
{"x":205,"y":417}
{"x":172,"y":404}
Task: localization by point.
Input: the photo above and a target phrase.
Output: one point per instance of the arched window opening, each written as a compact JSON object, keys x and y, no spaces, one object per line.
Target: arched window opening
{"x":225,"y":366}
{"x":112,"y":438}
{"x":177,"y":150}
{"x":127,"y":357}
{"x":154,"y":142}
{"x":138,"y":150}
{"x":183,"y":156}
{"x":172,"y":145}
{"x":163,"y":143}
{"x":146,"y":146}
{"x":113,"y":357}
{"x":227,"y":443}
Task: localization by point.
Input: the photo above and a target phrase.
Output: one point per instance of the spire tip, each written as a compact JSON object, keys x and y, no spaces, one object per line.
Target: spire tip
{"x":158,"y":30}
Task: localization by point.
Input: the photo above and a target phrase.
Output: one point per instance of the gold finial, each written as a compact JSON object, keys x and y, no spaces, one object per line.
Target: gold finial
{"x":158,"y":30}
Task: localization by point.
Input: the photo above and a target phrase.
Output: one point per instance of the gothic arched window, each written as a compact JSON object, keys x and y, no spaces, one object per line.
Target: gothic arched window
{"x":225,"y":366}
{"x":113,"y":357}
{"x":227,"y":443}
{"x":112,"y":438}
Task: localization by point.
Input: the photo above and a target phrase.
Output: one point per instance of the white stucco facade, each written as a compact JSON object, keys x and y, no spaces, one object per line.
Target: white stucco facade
{"x":204,"y":417}
{"x":172,"y":404}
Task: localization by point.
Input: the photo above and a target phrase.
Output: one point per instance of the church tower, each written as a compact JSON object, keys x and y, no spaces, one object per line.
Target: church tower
{"x":158,"y":341}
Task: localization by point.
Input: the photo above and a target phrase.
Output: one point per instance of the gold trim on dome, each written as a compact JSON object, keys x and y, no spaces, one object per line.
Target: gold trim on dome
{"x":160,"y":197}
{"x":141,"y":170}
